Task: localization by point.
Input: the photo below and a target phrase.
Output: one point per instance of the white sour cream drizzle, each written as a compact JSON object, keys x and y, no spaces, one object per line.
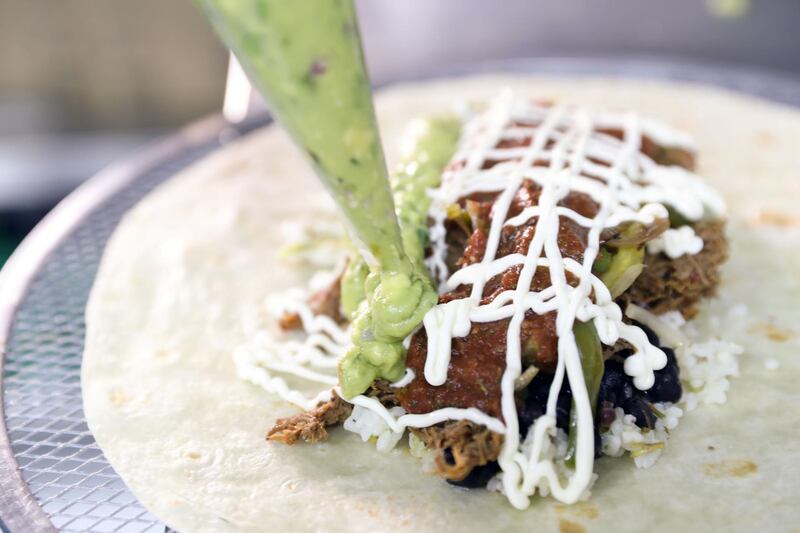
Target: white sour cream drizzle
{"x":626,"y":185}
{"x":407,"y":378}
{"x":676,"y":242}
{"x":313,"y":357}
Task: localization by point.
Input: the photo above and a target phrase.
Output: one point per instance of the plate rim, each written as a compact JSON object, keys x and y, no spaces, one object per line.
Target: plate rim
{"x":19,"y":508}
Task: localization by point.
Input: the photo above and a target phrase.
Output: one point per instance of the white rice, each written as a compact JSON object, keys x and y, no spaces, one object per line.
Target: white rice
{"x":644,"y":446}
{"x":418,"y":449}
{"x":706,"y":369}
{"x":368,"y":424}
{"x":673,"y":318}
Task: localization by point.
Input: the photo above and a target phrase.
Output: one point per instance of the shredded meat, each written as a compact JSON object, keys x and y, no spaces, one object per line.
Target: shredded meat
{"x":679,"y":284}
{"x":383,"y":391}
{"x":326,"y":301}
{"x":290,"y":321}
{"x":663,"y":155}
{"x":479,"y":358}
{"x":460,"y":446}
{"x":310,"y":425}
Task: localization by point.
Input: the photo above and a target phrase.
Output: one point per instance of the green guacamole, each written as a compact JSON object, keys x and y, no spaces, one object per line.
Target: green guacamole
{"x":432,"y":150}
{"x":384,"y":359}
{"x":306,"y":59}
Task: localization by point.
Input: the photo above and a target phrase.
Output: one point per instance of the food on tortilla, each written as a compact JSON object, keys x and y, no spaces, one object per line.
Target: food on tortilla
{"x":189,"y":284}
{"x":548,"y":221}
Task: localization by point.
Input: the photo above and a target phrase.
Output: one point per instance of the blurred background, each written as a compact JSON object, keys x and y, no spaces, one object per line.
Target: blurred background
{"x":85,"y":82}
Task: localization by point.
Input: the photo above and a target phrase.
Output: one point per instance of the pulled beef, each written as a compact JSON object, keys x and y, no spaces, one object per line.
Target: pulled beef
{"x":460,"y":446}
{"x":326,"y":301}
{"x":478,"y":359}
{"x":383,"y":391}
{"x":668,"y":155}
{"x":310,"y":425}
{"x":663,"y":155}
{"x":668,"y":284}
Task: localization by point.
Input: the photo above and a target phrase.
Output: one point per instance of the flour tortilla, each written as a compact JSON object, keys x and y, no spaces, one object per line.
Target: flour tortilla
{"x":188,"y":263}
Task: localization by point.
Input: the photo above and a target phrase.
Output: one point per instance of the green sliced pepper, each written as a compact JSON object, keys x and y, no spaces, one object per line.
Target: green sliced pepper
{"x":626,"y":263}
{"x":676,"y":219}
{"x":603,"y":261}
{"x":592,"y":362}
{"x":623,"y":269}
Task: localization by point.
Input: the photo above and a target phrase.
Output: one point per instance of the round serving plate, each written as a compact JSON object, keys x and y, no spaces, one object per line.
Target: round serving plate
{"x":53,"y":476}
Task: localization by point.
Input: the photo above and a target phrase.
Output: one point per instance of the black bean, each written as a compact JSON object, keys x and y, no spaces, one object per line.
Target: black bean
{"x":539,"y":388}
{"x":535,"y":403}
{"x":642,"y":410}
{"x":617,"y":390}
{"x":448,"y":457}
{"x":605,"y":414}
{"x":616,"y":386}
{"x":651,"y":335}
{"x":667,"y":385}
{"x":564,"y":406}
{"x":527,"y":415}
{"x":478,"y":477}
{"x":624,"y":353}
{"x":598,"y":443}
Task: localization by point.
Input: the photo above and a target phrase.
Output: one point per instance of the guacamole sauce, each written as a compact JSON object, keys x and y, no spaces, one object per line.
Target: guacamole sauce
{"x":433,"y":146}
{"x":305,"y":57}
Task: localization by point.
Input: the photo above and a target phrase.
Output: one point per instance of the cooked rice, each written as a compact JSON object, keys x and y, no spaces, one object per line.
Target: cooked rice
{"x":645,"y":446}
{"x":368,"y":424}
{"x":706,"y":369}
{"x":418,"y":449}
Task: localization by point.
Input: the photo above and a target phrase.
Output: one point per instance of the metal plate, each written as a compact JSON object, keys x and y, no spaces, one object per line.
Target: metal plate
{"x":52,"y":473}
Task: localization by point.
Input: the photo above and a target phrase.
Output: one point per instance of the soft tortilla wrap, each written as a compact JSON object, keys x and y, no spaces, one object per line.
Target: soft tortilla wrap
{"x":200,"y":253}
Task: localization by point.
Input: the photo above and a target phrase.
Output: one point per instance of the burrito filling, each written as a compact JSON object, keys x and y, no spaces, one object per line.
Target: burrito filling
{"x":568,"y":245}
